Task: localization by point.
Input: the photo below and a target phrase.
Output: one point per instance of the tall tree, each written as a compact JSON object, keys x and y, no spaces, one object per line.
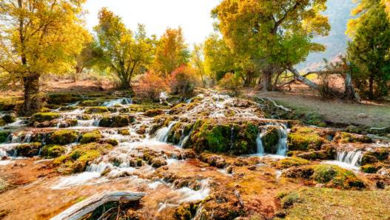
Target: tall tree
{"x":39,"y":37}
{"x":120,"y":50}
{"x":171,"y":52}
{"x":276,"y":35}
{"x":370,"y":47}
{"x":197,"y":62}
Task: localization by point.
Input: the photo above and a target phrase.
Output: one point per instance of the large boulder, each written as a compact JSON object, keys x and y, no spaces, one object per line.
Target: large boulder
{"x":116,"y":121}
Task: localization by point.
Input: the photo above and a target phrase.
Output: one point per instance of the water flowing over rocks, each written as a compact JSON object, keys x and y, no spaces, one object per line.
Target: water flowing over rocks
{"x":211,"y":157}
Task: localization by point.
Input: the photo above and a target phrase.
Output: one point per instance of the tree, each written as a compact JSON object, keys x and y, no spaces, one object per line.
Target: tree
{"x":219,"y":59}
{"x":276,"y":35}
{"x":171,"y":52}
{"x":36,"y":38}
{"x":370,"y":48}
{"x":119,"y":50}
{"x":197,"y":62}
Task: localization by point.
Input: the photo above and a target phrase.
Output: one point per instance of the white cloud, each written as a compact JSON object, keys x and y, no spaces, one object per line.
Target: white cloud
{"x":194,"y":16}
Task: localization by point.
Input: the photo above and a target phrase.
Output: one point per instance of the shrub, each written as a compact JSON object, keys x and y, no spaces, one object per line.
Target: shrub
{"x":231,"y":82}
{"x":182,"y":81}
{"x":150,"y":86}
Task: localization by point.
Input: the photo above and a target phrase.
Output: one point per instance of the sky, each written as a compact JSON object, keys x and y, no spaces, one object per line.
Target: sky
{"x":194,"y":16}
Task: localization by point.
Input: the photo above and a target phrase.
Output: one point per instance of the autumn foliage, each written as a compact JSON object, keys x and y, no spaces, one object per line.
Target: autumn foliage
{"x":150,"y":86}
{"x":182,"y":81}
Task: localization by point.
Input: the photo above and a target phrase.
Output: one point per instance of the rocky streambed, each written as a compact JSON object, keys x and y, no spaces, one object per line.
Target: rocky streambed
{"x":210,"y":157}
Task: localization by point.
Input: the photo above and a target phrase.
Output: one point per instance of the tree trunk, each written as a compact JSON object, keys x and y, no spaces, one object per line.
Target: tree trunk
{"x":248,"y":79}
{"x":267,"y":80}
{"x":303,"y":79}
{"x":32,"y":98}
{"x":350,"y":92}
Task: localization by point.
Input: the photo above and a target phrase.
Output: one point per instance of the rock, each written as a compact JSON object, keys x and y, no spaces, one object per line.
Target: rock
{"x":291,"y":162}
{"x":53,"y":151}
{"x":9,"y":118}
{"x":4,"y":136}
{"x":93,"y":136}
{"x":229,"y":169}
{"x":63,"y":137}
{"x":270,"y":139}
{"x":153,"y":112}
{"x":303,"y":139}
{"x":28,"y":150}
{"x":116,"y":121}
{"x":97,"y":110}
{"x":158,"y":162}
{"x":44,"y":116}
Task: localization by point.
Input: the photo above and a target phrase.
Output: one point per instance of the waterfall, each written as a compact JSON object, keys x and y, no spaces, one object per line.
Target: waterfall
{"x":162,"y":133}
{"x":282,"y":144}
{"x":27,"y":138}
{"x":260,"y":147}
{"x":353,"y":158}
{"x":122,"y":101}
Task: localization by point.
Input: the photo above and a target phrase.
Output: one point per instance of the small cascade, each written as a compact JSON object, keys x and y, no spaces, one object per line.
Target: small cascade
{"x":27,"y":138}
{"x":184,"y":140}
{"x":162,"y":133}
{"x":260,"y":147}
{"x":282,"y":144}
{"x":353,"y":158}
{"x":121,"y":101}
{"x":190,"y":195}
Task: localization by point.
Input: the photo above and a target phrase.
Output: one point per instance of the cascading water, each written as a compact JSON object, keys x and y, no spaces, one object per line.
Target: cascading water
{"x":281,"y":146}
{"x":162,"y":133}
{"x":260,"y":147}
{"x":122,"y":101}
{"x":352,"y":157}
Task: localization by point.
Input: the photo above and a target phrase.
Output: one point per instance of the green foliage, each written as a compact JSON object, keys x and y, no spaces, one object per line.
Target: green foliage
{"x":369,"y":49}
{"x":335,"y":176}
{"x":119,"y":50}
{"x":63,"y":137}
{"x":291,"y":162}
{"x":4,"y":136}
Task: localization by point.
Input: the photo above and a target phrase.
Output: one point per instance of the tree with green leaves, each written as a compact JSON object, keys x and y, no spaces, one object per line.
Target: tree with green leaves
{"x":369,"y":50}
{"x":36,"y":38}
{"x":275,"y":35}
{"x":120,"y":50}
{"x":171,"y":52}
{"x":197,"y":62}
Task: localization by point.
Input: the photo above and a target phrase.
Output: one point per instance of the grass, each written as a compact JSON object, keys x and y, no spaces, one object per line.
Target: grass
{"x":321,"y":203}
{"x":374,"y":115}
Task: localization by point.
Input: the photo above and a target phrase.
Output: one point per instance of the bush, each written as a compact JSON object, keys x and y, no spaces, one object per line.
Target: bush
{"x":182,"y":81}
{"x":150,"y":86}
{"x":231,"y":82}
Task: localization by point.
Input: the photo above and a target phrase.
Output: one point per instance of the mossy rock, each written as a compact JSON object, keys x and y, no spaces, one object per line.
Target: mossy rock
{"x":4,"y":136}
{"x":124,"y":132}
{"x":53,"y":151}
{"x":63,"y":137}
{"x":303,"y":139}
{"x":81,"y":156}
{"x":91,"y":103}
{"x":228,"y":138}
{"x":270,"y":139}
{"x":9,"y":118}
{"x":381,"y":154}
{"x":93,"y":136}
{"x":153,"y":112}
{"x":63,"y":98}
{"x":369,"y":158}
{"x":97,"y":110}
{"x":371,"y":168}
{"x":28,"y":150}
{"x":291,"y":162}
{"x":116,"y":121}
{"x":44,"y":116}
{"x":344,"y":137}
{"x":337,"y":177}
{"x":186,"y":211}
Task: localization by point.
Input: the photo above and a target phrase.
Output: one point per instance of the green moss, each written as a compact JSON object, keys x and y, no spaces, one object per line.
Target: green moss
{"x":370,"y":168}
{"x":335,"y":176}
{"x":93,"y":136}
{"x":28,"y":150}
{"x":63,"y":98}
{"x":53,"y":151}
{"x":124,"y":132}
{"x":291,"y":162}
{"x":289,"y":200}
{"x":304,"y":138}
{"x":63,"y":137}
{"x":80,"y":156}
{"x":154,"y":112}
{"x":44,"y":116}
{"x":91,"y":103}
{"x":270,"y":139}
{"x":9,"y":118}
{"x":186,"y":211}
{"x":344,"y":137}
{"x":97,"y":110}
{"x":116,"y":121}
{"x":4,"y":136}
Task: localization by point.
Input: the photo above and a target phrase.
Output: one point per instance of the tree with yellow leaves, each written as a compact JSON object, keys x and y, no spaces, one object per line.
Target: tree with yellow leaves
{"x":36,"y":38}
{"x":171,"y":52}
{"x":275,"y":35}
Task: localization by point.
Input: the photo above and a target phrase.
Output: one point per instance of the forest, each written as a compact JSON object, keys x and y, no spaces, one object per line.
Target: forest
{"x":112,"y":122}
